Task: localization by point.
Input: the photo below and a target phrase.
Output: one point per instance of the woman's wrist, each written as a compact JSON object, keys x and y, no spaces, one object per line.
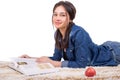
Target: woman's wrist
{"x":56,"y":63}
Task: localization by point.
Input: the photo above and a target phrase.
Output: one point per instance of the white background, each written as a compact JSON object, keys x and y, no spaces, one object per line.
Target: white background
{"x":26,"y":28}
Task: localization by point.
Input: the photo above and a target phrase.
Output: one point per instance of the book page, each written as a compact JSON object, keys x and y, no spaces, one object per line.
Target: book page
{"x":29,"y":66}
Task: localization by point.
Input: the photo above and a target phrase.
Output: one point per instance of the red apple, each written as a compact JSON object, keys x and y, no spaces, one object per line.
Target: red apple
{"x":90,"y":72}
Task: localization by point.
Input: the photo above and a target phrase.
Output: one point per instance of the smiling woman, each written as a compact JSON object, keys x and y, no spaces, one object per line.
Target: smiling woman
{"x":26,"y":28}
{"x":74,"y":45}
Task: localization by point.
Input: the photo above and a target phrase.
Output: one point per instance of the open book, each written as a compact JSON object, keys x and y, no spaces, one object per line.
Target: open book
{"x":31,"y":67}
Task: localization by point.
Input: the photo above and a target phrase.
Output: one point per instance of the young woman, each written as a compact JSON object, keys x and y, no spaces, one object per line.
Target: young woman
{"x":74,"y":45}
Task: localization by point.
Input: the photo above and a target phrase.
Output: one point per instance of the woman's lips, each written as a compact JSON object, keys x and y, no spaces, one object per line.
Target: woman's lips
{"x":57,"y":23}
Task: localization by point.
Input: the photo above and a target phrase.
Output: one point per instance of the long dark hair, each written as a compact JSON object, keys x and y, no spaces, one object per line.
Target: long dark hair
{"x":69,"y":7}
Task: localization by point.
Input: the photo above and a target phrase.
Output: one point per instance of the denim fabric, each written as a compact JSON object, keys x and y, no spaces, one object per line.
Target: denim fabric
{"x":64,"y":64}
{"x":82,"y":52}
{"x":78,"y":49}
{"x":115,"y":48}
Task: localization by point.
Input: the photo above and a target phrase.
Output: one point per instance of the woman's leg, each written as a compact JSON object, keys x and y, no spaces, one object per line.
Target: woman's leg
{"x":115,"y":47}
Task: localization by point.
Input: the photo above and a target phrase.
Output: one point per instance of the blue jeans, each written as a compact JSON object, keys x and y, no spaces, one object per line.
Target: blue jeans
{"x":114,"y":46}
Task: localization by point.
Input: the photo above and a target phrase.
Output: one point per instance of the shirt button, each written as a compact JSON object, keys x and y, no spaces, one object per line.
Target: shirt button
{"x":70,"y":50}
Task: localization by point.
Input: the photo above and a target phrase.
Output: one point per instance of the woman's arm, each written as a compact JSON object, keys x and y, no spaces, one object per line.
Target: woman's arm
{"x":45,"y":59}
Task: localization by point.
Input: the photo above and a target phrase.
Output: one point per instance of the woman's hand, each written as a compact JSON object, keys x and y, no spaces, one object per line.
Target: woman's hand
{"x":25,"y":56}
{"x":45,"y":59}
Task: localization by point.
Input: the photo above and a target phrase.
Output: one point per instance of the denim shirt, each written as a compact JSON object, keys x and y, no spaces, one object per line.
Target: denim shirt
{"x":83,"y":52}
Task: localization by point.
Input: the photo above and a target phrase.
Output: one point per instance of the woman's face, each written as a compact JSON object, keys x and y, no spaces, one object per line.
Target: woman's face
{"x":60,"y":18}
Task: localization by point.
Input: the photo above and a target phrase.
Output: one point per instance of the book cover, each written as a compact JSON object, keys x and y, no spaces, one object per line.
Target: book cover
{"x":28,"y":66}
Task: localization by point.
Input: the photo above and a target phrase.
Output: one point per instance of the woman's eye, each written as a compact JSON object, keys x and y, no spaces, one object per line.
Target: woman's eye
{"x":62,"y":15}
{"x":54,"y":14}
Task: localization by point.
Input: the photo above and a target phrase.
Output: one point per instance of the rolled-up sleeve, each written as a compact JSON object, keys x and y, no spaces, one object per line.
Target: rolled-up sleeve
{"x":64,"y":64}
